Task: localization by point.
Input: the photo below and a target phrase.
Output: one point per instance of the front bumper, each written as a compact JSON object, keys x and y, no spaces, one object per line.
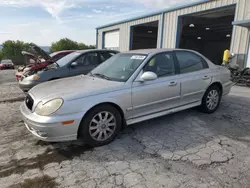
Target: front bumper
{"x":5,"y":68}
{"x":26,"y":85}
{"x":19,"y":75}
{"x":49,"y":128}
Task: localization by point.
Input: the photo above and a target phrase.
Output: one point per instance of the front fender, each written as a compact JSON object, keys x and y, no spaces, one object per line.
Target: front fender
{"x":121,"y":98}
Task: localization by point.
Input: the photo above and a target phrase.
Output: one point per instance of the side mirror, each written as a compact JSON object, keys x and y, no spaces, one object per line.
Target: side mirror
{"x":73,"y":65}
{"x":232,"y":55}
{"x":147,"y":76}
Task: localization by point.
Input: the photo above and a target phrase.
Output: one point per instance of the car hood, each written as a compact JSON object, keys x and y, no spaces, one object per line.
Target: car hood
{"x":30,"y":55}
{"x":40,"y":51}
{"x":73,"y":88}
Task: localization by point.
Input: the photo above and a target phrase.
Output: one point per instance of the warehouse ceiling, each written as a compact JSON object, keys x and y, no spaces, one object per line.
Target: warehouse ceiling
{"x":216,"y":13}
{"x":151,"y":24}
{"x":208,"y":28}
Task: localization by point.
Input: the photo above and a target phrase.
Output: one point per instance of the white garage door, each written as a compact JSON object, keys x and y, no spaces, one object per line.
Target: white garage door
{"x":111,"y":40}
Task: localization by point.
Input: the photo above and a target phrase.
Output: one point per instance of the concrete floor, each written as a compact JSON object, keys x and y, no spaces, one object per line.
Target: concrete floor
{"x":185,"y":149}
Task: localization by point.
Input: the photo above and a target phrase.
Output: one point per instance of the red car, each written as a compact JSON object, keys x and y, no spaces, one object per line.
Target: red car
{"x":6,"y":64}
{"x":60,"y":54}
{"x":40,"y":61}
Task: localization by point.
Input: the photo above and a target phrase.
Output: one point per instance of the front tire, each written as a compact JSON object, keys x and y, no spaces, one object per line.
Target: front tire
{"x":211,"y":99}
{"x":100,"y":126}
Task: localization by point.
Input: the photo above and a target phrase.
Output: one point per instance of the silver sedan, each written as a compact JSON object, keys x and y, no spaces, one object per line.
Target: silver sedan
{"x":127,"y":88}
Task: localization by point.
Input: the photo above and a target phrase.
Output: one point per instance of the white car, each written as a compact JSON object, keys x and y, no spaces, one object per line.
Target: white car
{"x":127,"y":88}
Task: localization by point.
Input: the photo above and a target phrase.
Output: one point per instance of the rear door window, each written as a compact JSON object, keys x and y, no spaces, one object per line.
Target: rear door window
{"x":190,"y":62}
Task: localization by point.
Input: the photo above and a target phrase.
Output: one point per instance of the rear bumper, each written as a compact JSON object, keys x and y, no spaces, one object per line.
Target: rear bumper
{"x":227,"y":87}
{"x":50,"y":128}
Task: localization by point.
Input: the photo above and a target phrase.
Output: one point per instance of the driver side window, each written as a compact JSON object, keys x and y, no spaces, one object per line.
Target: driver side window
{"x":88,"y":59}
{"x":161,"y":64}
{"x":79,"y":61}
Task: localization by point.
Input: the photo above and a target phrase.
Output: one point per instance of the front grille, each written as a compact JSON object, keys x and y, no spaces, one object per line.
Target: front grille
{"x":29,"y":102}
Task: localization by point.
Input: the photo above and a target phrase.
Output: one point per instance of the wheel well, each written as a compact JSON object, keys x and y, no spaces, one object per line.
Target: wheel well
{"x":53,"y":79}
{"x":219,"y":85}
{"x":106,"y":103}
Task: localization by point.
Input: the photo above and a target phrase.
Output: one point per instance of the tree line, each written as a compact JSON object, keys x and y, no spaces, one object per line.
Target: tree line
{"x":12,"y":49}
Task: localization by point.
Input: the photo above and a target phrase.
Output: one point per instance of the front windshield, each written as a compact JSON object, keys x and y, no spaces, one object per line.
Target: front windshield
{"x":68,"y":58}
{"x":120,"y":67}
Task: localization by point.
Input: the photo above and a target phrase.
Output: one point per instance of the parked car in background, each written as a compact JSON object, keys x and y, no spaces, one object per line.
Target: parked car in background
{"x":55,"y":56}
{"x":127,"y":88}
{"x":6,"y":64}
{"x":40,"y":60}
{"x":78,"y":62}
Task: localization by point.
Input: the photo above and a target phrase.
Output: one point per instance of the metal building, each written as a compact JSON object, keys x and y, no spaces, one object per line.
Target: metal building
{"x":208,"y":26}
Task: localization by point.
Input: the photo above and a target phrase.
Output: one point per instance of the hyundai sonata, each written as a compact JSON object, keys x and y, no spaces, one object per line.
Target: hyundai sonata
{"x":128,"y":88}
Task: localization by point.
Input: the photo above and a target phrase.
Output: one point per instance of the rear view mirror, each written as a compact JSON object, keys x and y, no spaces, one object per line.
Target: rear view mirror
{"x":74,"y":64}
{"x":147,"y":76}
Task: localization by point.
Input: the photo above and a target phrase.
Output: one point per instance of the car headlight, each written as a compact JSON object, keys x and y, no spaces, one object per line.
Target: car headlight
{"x":49,"y":107}
{"x":36,"y":77}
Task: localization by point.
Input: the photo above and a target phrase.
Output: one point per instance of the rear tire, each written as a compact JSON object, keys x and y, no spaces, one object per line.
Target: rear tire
{"x":100,"y":126}
{"x":54,"y":79}
{"x":211,"y":99}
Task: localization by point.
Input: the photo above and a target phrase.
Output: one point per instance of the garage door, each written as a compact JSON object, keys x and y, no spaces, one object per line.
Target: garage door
{"x":111,"y":40}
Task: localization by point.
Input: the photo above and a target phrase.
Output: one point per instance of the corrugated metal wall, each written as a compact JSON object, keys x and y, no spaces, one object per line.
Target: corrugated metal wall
{"x":125,"y":31}
{"x":240,"y":35}
{"x":240,"y":38}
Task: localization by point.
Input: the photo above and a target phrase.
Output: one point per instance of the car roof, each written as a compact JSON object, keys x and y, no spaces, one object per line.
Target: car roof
{"x":64,"y":51}
{"x":94,"y":50}
{"x":155,"y":50}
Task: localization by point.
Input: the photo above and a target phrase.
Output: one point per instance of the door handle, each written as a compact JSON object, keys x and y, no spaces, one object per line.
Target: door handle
{"x":205,"y":77}
{"x":172,"y":84}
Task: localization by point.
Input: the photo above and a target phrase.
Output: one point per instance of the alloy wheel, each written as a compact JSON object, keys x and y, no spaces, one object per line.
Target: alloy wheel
{"x":102,"y":126}
{"x":212,"y":99}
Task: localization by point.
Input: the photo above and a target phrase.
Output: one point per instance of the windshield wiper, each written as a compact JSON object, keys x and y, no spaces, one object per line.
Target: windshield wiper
{"x":100,"y":76}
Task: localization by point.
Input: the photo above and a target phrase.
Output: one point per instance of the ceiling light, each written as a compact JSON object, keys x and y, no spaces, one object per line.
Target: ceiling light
{"x":150,"y":31}
{"x":191,"y":25}
{"x":228,"y":35}
{"x":207,"y":28}
{"x":199,"y":38}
